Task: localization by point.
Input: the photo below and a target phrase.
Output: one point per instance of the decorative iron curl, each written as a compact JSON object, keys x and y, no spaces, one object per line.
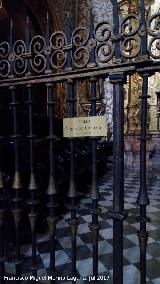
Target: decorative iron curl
{"x":80,"y":36}
{"x":19,"y":47}
{"x":4,"y":69}
{"x":104,"y":52}
{"x":80,"y":57}
{"x":37,"y":44}
{"x":81,"y":47}
{"x":105,"y":48}
{"x":4,"y":49}
{"x":58,"y":43}
{"x":154,"y":48}
{"x":58,"y":40}
{"x":38,"y":63}
{"x":153,"y":28}
{"x":131,"y":47}
{"x":103,"y":31}
{"x":153,"y":25}
{"x":130,"y":25}
{"x":20,"y":66}
{"x":37,"y":49}
{"x":58,"y":59}
{"x":131,"y":32}
{"x":20,"y":63}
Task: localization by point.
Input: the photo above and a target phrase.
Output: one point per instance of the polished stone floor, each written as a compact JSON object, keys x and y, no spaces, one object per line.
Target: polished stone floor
{"x":84,"y":247}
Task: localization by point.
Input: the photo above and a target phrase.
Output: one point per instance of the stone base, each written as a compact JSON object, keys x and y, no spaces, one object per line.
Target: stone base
{"x":156,"y":154}
{"x":132,"y":151}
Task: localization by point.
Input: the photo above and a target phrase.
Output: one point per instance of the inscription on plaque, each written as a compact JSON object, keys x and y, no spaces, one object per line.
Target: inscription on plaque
{"x":85,"y":126}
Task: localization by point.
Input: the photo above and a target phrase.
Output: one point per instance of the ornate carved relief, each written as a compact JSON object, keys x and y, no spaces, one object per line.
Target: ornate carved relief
{"x":135,"y":85}
{"x":133,"y":107}
{"x":134,"y":91}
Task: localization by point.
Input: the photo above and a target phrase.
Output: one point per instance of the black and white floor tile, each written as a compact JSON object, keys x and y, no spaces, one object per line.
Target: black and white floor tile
{"x":84,"y":247}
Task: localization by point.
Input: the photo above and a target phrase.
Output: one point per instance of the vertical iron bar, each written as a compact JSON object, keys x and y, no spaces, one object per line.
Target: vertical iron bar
{"x":118,"y":157}
{"x":69,"y":42}
{"x":47,"y":45}
{"x":92,"y":57}
{"x":11,"y":49}
{"x":118,"y":176}
{"x":116,"y":30}
{"x":143,"y":199}
{"x":143,"y":28}
{"x":72,"y":202}
{"x":28,"y":45}
{"x":52,"y":190}
{"x":72,"y":193}
{"x":17,"y":185}
{"x":2,"y":218}
{"x":32,"y":184}
{"x":94,"y":194}
{"x":52,"y":187}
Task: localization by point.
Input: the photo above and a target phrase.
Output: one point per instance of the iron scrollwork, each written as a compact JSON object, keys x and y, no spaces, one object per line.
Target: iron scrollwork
{"x":153,"y":27}
{"x":38,"y":60}
{"x":80,"y":47}
{"x":4,"y":64}
{"x":83,"y":43}
{"x":105,"y":47}
{"x":58,"y":47}
{"x":20,"y":63}
{"x":131,"y":32}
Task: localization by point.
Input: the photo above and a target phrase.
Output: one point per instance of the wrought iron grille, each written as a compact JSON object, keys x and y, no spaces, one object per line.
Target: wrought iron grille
{"x":100,"y":51}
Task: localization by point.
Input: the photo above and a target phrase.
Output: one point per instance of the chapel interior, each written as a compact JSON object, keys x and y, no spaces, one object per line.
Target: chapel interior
{"x":16,"y":12}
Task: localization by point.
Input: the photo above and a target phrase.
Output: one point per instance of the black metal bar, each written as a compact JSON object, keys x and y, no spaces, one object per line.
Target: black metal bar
{"x":118,"y":176}
{"x":92,"y":54}
{"x":143,"y":27}
{"x":2,"y":220}
{"x":27,"y":46}
{"x":52,"y":190}
{"x":52,"y":187}
{"x":17,"y":185}
{"x":116,"y":28}
{"x":72,"y":203}
{"x":32,"y":184}
{"x":94,"y":194}
{"x":143,"y":200}
{"x":33,"y":187}
{"x":11,"y":75}
{"x":47,"y":46}
{"x":68,"y":65}
{"x":118,"y":215}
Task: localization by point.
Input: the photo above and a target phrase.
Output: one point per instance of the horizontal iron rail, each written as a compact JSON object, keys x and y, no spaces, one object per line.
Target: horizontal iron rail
{"x":85,"y":73}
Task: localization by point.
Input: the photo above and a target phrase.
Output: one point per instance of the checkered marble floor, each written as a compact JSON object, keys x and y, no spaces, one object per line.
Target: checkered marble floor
{"x":84,"y":247}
